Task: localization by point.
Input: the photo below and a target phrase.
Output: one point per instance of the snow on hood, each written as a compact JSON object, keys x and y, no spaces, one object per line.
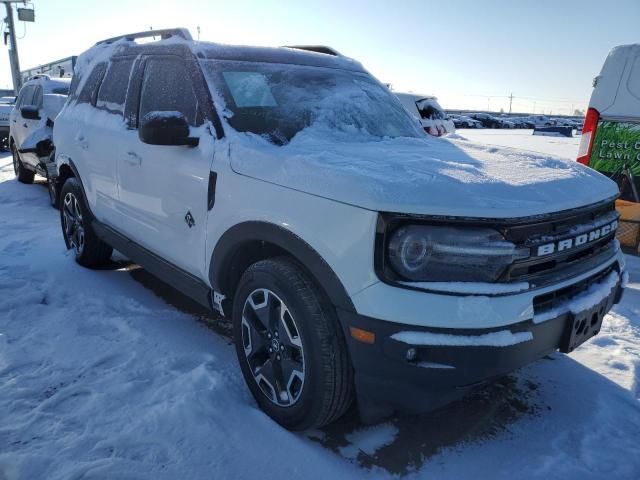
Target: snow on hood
{"x":424,"y":175}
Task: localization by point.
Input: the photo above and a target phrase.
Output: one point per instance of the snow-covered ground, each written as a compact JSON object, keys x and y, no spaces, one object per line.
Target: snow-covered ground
{"x":523,"y":139}
{"x":110,"y":374}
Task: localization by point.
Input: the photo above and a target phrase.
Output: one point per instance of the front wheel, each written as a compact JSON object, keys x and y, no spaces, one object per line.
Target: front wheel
{"x":77,"y":230}
{"x":290,"y":346}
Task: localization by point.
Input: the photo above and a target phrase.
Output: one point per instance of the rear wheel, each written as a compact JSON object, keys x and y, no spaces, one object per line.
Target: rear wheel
{"x":78,"y":233}
{"x":24,"y":175}
{"x":290,"y":346}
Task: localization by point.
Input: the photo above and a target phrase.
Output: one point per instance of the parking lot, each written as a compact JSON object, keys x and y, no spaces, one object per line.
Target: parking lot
{"x":112,"y":374}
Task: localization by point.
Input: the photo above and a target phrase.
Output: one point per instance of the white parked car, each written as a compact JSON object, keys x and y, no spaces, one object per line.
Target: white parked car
{"x":6,"y":105}
{"x":429,"y":113}
{"x":358,"y":259}
{"x":610,"y":140}
{"x":31,"y":128}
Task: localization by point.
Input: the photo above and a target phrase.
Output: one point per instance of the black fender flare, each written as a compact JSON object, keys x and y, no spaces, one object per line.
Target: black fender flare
{"x":246,"y":233}
{"x":59,"y":180}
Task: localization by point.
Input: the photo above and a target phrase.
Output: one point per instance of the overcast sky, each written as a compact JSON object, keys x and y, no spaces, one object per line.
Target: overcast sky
{"x":471,"y":54}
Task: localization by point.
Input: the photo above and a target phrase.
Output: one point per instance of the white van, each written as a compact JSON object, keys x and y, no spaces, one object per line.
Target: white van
{"x":611,"y":136}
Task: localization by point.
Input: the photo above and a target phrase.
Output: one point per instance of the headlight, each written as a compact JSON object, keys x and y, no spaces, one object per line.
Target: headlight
{"x":449,"y":254}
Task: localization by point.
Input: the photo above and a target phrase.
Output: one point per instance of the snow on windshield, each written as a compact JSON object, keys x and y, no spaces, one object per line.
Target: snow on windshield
{"x":280,"y":102}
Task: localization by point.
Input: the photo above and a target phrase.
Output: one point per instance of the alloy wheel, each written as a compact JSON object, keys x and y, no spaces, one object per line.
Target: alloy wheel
{"x":273,"y":347}
{"x":72,"y":223}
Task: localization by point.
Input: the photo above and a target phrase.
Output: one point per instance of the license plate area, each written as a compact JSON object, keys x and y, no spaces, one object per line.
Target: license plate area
{"x":586,"y":324}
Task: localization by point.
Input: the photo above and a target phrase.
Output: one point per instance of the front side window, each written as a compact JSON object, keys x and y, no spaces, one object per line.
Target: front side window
{"x":113,"y":91}
{"x":279,"y":101}
{"x":62,"y":90}
{"x":37,"y":97}
{"x":166,"y":87}
{"x":26,"y":96}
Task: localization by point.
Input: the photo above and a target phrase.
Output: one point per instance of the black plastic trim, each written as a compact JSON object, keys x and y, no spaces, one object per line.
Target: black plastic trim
{"x":386,"y":381}
{"x":179,"y":279}
{"x":211,"y":191}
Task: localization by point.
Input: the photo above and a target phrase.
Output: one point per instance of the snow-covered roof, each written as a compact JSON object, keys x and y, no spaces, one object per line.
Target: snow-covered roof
{"x":209,"y":50}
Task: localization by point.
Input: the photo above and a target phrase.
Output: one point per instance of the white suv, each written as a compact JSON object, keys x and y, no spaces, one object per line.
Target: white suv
{"x":31,"y":128}
{"x":357,"y":258}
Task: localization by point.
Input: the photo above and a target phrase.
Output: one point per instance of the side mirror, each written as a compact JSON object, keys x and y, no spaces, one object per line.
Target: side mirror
{"x":165,"y":128}
{"x":30,"y":112}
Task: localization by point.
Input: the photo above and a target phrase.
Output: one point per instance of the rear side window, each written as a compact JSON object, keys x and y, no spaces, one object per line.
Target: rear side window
{"x":166,"y":87}
{"x":88,"y":89}
{"x":113,"y":91}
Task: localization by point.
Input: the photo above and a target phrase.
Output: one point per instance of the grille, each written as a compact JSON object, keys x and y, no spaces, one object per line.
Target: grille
{"x":548,"y":301}
{"x":547,"y":269}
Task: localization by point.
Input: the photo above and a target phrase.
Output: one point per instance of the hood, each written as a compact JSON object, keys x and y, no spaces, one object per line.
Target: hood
{"x":430,"y":176}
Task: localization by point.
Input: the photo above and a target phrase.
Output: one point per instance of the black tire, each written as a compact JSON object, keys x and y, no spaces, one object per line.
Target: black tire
{"x":326,"y":390}
{"x":23,"y":174}
{"x":77,"y":231}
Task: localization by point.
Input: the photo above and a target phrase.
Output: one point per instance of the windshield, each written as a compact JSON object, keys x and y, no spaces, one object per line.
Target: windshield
{"x":279,"y":101}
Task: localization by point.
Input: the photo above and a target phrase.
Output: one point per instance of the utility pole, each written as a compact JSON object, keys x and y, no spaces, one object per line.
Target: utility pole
{"x":510,"y":102}
{"x":13,"y":51}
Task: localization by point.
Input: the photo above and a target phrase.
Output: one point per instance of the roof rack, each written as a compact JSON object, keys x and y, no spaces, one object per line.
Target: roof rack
{"x":163,"y":34}
{"x":317,"y":49}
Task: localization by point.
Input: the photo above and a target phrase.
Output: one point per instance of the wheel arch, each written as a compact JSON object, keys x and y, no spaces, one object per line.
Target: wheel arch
{"x":66,"y":170}
{"x":249,"y":242}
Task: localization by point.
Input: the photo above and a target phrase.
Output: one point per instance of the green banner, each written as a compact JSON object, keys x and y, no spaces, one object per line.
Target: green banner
{"x":616,"y":148}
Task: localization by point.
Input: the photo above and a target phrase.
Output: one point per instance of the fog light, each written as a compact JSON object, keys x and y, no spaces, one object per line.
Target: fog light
{"x":412,"y":353}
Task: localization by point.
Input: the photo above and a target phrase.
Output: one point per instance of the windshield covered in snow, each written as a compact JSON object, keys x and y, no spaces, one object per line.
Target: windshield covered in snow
{"x":278,"y":101}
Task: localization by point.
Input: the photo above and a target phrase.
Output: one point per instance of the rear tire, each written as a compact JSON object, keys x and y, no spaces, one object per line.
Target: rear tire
{"x":308,"y":377}
{"x":78,"y":233}
{"x":24,"y":175}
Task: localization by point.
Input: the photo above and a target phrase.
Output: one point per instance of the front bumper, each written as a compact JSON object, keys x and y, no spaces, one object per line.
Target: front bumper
{"x":453,"y":361}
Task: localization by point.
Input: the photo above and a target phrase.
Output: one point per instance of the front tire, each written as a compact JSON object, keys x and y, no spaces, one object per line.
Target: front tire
{"x":23,"y":175}
{"x":290,"y":346}
{"x":77,"y":230}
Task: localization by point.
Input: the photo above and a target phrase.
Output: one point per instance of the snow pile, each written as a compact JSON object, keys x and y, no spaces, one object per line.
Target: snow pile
{"x":503,"y":338}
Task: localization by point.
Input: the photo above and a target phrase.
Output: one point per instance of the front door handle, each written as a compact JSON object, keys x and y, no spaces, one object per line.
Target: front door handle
{"x":25,"y":125}
{"x":133,"y":159}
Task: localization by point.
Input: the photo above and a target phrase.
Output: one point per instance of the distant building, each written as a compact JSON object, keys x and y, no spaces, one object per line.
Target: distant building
{"x":62,"y":68}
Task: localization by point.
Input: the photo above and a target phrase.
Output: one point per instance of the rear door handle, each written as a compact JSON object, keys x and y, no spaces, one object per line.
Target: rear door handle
{"x":25,"y":125}
{"x":133,"y":159}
